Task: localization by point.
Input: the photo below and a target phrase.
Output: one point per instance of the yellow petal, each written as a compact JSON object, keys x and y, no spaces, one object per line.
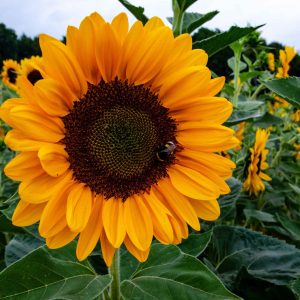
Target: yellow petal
{"x":178,"y":202}
{"x":193,"y":184}
{"x":35,"y":125}
{"x":107,"y":249}
{"x":53,"y":219}
{"x":53,"y":158}
{"x":24,"y":166}
{"x":17,"y":141}
{"x":62,"y":65}
{"x":120,"y":25}
{"x":138,"y":222}
{"x":79,"y":207}
{"x":206,"y":210}
{"x":108,"y":61}
{"x":162,"y":227}
{"x":54,"y":98}
{"x":141,"y":256}
{"x":113,"y":221}
{"x":26,"y":214}
{"x":61,"y":239}
{"x":90,"y":235}
{"x":42,"y":188}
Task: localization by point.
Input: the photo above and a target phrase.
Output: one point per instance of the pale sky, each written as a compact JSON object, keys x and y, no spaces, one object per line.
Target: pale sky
{"x":282,"y":17}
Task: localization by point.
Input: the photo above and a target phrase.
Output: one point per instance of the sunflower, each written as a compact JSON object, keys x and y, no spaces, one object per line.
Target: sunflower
{"x":10,"y":72}
{"x":118,"y":141}
{"x":239,"y":134}
{"x":285,"y":57}
{"x":296,"y":115}
{"x":271,"y":61}
{"x":257,"y":163}
{"x":30,"y":72}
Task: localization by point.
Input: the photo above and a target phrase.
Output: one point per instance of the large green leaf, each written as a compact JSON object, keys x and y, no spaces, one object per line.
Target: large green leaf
{"x":267,"y":120}
{"x":295,"y":286}
{"x":214,"y":44}
{"x":137,"y":11}
{"x":170,"y":274}
{"x":263,"y":257}
{"x":51,"y":274}
{"x":246,"y":110}
{"x":195,"y":244}
{"x":259,"y":215}
{"x":20,"y":246}
{"x":291,"y":226}
{"x":192,"y":21}
{"x":228,"y":202}
{"x":7,"y":226}
{"x":287,"y":88}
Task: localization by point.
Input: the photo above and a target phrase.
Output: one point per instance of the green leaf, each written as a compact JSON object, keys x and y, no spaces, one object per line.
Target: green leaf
{"x":249,"y":75}
{"x":137,"y":11}
{"x":170,"y":274}
{"x":295,"y":188}
{"x":295,"y":286}
{"x":290,"y":168}
{"x":291,"y":226}
{"x":7,"y":226}
{"x":214,"y":44}
{"x":228,"y":202}
{"x":267,"y":120}
{"x":259,"y":215}
{"x":287,"y":88}
{"x":20,"y":246}
{"x":51,"y":274}
{"x":192,"y":21}
{"x":264,"y":257}
{"x":246,"y":110}
{"x":231,"y":64}
{"x":195,"y":244}
{"x":185,"y":4}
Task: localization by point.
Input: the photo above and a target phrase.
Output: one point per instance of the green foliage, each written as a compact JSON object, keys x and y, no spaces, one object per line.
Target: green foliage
{"x":51,"y":274}
{"x":287,"y":88}
{"x":192,"y":21}
{"x":219,"y":41}
{"x":137,"y":11}
{"x":170,"y":274}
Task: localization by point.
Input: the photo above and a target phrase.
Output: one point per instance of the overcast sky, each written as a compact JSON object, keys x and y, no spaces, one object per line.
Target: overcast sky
{"x":282,"y":17}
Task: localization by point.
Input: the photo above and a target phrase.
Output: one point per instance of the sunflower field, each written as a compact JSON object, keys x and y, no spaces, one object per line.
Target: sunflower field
{"x":145,"y":161}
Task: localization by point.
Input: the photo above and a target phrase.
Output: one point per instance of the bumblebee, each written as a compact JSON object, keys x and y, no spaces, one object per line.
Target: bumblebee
{"x":165,"y":152}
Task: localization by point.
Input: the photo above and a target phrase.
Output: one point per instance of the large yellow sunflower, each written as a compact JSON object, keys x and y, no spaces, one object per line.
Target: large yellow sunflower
{"x":118,"y":142}
{"x":257,"y":163}
{"x":10,"y":72}
{"x":30,"y":73}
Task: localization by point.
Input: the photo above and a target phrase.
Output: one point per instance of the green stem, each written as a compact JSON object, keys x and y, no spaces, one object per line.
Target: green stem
{"x":177,"y":18}
{"x":237,"y":56}
{"x":259,"y":88}
{"x":115,"y":273}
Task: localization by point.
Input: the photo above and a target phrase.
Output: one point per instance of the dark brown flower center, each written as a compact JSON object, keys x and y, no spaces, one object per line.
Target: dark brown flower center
{"x":113,"y":135}
{"x":12,"y":75}
{"x":34,"y":76}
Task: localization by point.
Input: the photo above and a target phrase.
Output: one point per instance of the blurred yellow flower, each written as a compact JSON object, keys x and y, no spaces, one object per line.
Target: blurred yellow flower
{"x":296,"y":116}
{"x":10,"y":72}
{"x":285,"y":57}
{"x":30,"y":73}
{"x":257,"y":163}
{"x":271,"y":61}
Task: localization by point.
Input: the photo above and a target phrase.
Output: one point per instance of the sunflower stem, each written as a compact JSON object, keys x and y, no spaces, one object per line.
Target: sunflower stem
{"x":177,"y":18}
{"x":115,"y":273}
{"x":237,"y":48}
